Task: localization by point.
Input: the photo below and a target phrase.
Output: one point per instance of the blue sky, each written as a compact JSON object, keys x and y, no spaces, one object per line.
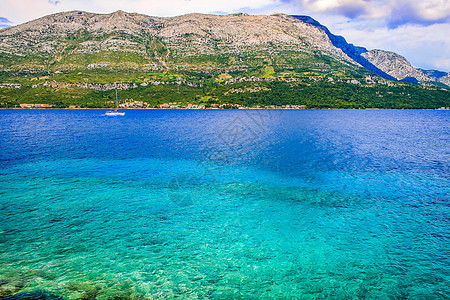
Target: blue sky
{"x":418,"y":30}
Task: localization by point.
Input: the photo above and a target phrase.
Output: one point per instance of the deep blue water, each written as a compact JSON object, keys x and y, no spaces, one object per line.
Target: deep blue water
{"x":253,"y":204}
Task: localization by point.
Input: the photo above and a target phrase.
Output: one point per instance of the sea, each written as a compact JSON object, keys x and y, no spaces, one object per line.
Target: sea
{"x":225,"y":204}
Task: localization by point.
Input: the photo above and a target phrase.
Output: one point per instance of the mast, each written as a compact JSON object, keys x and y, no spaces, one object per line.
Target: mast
{"x":117,"y":101}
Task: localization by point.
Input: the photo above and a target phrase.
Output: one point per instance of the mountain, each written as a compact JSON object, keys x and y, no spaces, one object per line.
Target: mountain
{"x":354,"y":52}
{"x":397,"y":66}
{"x":77,"y":57}
{"x":445,"y":79}
{"x":76,"y":39}
{"x":80,"y":39}
{"x":434,"y":73}
{"x":439,"y":76}
{"x":388,"y":65}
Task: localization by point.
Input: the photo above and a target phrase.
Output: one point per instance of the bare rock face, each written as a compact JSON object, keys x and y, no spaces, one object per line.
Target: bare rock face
{"x":52,"y":33}
{"x":395,"y":65}
{"x":445,"y":79}
{"x":193,"y":34}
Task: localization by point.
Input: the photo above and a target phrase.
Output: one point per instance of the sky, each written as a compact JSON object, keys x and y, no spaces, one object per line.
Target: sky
{"x":416,"y":29}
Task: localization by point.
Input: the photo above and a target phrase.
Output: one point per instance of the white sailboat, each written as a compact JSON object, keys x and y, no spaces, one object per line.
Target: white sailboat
{"x":116,"y":111}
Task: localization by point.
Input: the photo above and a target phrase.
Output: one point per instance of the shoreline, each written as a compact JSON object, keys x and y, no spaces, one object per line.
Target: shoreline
{"x":250,"y":108}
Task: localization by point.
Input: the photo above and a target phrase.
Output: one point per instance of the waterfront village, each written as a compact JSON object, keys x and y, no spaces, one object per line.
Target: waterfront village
{"x":130,"y":104}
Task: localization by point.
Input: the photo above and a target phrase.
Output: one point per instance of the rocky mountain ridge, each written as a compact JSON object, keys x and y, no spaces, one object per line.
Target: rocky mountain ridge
{"x":397,"y":66}
{"x":160,"y":38}
{"x":78,"y":39}
{"x":386,"y":64}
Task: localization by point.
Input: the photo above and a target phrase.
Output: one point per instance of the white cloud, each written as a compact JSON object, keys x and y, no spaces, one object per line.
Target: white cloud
{"x":54,"y":2}
{"x":179,"y":7}
{"x":432,"y":9}
{"x":349,"y":8}
{"x":393,"y":13}
{"x":4,"y":22}
{"x":19,"y":11}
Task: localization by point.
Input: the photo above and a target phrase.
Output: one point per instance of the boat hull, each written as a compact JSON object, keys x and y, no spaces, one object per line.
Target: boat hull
{"x":114,"y":113}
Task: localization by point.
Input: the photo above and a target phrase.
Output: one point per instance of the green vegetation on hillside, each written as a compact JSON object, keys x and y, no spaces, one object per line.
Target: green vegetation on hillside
{"x":263,"y":86}
{"x":84,"y":69}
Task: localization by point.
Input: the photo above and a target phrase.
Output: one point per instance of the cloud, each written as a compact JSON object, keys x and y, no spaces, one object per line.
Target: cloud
{"x":179,"y":7}
{"x":4,"y":22}
{"x":20,"y":11}
{"x":424,"y":46}
{"x":347,"y":8}
{"x":424,"y":13}
{"x":391,"y":13}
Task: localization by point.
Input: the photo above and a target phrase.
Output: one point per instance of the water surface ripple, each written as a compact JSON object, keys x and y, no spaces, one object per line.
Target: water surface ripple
{"x":254,"y":204}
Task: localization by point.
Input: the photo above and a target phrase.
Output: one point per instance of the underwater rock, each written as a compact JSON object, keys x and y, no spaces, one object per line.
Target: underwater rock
{"x":34,"y":295}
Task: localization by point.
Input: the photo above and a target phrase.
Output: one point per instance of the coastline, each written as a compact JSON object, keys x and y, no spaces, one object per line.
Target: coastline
{"x":250,"y":108}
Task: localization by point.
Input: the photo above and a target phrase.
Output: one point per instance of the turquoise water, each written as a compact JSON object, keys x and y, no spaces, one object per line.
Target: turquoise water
{"x":259,"y":204}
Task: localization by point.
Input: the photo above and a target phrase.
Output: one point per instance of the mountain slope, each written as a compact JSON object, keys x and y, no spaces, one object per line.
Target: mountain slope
{"x":445,"y":79}
{"x":396,"y":66}
{"x":354,"y":52}
{"x":434,"y":73}
{"x":388,"y":65}
{"x":77,"y":39}
{"x":78,"y":58}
